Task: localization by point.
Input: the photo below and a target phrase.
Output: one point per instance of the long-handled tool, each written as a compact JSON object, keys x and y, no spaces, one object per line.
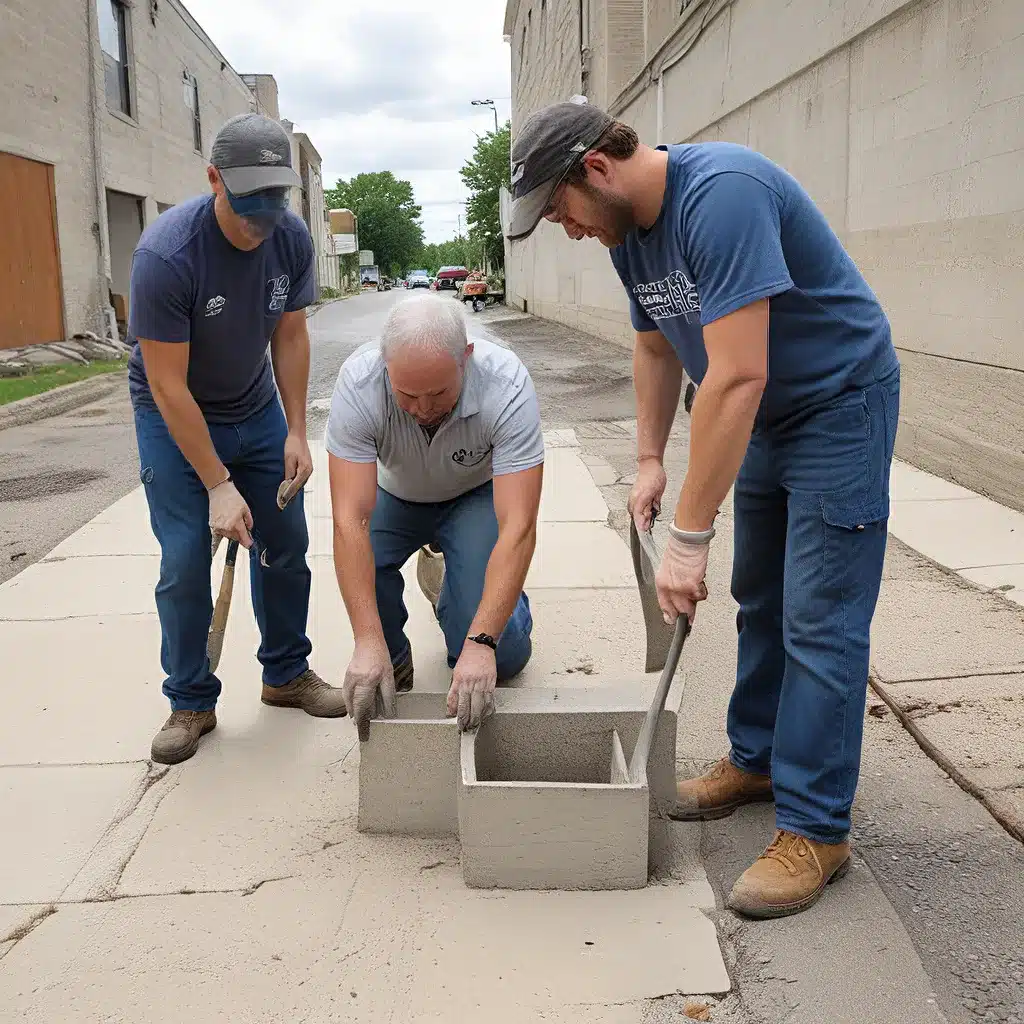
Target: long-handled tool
{"x":645,"y":564}
{"x":219,"y":623}
{"x":642,"y":750}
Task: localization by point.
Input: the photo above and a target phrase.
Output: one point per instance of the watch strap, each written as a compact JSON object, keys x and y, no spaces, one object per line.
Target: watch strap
{"x":485,"y":639}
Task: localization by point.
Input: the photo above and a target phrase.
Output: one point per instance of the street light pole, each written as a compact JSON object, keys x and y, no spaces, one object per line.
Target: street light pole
{"x":491,"y":104}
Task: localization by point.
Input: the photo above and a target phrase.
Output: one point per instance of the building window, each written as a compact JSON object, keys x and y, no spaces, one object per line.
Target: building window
{"x":113,"y":19}
{"x":192,"y":102}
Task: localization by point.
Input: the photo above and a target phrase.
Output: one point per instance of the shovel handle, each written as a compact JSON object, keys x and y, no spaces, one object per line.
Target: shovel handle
{"x":642,"y":751}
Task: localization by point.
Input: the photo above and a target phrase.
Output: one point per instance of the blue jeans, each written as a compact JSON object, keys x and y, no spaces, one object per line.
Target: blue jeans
{"x":466,"y":530}
{"x":179,"y":513}
{"x":811,"y":507}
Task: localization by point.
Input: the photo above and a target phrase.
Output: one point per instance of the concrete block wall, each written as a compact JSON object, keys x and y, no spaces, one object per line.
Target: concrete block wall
{"x":45,"y":115}
{"x":155,"y":156}
{"x":903,"y":120}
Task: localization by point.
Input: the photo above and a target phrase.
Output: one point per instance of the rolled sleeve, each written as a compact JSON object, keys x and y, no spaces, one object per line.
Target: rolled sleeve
{"x":733,"y":238}
{"x":160,"y":300}
{"x":350,"y":432}
{"x":518,"y":442}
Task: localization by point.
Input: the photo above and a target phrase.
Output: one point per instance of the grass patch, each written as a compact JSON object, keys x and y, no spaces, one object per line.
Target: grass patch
{"x":45,"y":378}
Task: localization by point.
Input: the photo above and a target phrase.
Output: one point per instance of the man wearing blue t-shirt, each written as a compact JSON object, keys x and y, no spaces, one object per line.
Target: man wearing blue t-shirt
{"x":216,"y":282}
{"x":734,"y":276}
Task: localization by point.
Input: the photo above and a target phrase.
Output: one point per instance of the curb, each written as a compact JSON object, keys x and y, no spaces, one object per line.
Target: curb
{"x":60,"y":400}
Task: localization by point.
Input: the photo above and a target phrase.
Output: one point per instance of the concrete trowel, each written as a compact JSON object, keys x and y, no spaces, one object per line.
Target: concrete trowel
{"x":645,"y":563}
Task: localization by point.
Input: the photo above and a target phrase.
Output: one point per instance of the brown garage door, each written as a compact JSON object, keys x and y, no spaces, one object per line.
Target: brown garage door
{"x":31,"y":302}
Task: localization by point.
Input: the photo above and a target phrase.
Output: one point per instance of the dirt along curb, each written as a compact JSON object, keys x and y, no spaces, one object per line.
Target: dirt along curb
{"x":61,"y":399}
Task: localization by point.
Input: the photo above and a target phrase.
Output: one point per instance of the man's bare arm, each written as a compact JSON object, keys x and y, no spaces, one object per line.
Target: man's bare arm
{"x":289,"y":353}
{"x":353,"y":497}
{"x":657,"y":379}
{"x":167,"y":372}
{"x":516,"y":502}
{"x":723,"y":412}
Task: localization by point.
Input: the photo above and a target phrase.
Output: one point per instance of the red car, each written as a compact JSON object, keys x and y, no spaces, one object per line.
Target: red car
{"x":449,"y":277}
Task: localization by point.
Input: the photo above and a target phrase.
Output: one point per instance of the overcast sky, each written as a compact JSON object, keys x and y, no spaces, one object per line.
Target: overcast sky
{"x":377,"y":86}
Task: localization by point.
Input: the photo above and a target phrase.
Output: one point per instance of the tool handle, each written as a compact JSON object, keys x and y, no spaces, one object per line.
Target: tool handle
{"x":642,"y":750}
{"x":215,"y":639}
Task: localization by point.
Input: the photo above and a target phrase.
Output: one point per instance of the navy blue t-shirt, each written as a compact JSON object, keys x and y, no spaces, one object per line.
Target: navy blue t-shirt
{"x":734,"y":228}
{"x":190,"y":284}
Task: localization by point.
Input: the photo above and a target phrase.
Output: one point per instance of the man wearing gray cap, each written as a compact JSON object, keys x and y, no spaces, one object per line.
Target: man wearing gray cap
{"x":215,"y":281}
{"x":735,"y":276}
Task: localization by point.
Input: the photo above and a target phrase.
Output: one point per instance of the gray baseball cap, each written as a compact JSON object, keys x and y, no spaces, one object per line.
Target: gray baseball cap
{"x":550,"y":143}
{"x":252,"y":152}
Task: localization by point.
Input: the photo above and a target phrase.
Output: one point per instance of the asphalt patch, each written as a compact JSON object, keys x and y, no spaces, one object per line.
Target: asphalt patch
{"x":46,"y":485}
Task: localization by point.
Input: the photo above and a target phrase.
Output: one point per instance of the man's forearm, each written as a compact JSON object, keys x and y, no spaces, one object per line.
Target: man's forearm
{"x":290,"y":355}
{"x":188,"y":427}
{"x":356,"y":571}
{"x":657,"y":379}
{"x":503,"y":582}
{"x":722,"y":419}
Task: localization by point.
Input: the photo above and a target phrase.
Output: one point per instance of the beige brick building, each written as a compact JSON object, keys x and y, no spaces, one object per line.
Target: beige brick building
{"x":905,"y":121}
{"x":107,"y":113}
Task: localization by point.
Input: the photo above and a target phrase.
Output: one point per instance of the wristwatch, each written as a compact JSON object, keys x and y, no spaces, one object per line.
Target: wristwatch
{"x":486,"y":639}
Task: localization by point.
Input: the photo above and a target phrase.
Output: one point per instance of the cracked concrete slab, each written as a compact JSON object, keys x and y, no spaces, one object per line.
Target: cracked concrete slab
{"x":81,"y":586}
{"x":358,"y":943}
{"x":61,"y":814}
{"x":16,"y":921}
{"x":102,"y":699}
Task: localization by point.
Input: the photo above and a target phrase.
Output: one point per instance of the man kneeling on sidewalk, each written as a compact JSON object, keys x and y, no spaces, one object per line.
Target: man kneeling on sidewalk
{"x":214,"y":282}
{"x":435,"y":444}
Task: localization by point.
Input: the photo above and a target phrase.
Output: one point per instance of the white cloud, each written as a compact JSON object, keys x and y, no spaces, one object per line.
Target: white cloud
{"x":377,"y":86}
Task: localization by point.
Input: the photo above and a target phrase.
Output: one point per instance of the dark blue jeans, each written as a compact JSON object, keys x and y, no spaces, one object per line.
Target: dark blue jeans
{"x":812,"y":505}
{"x":466,"y":530}
{"x":179,"y":512}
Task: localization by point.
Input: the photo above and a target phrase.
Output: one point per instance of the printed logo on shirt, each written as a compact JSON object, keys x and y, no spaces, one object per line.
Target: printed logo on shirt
{"x":216,"y":305}
{"x":675,"y":295}
{"x":268,"y":156}
{"x":468,"y":458}
{"x":278,"y":287}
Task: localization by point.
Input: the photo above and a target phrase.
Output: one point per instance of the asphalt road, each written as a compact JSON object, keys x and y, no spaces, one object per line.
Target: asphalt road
{"x":935,"y":905}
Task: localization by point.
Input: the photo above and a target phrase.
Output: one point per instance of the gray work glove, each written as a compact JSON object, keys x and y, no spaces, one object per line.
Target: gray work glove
{"x":229,"y":515}
{"x":369,"y":687}
{"x":471,"y":697}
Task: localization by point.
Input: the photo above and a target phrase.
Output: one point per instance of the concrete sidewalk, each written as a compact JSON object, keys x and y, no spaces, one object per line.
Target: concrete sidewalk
{"x":235,"y":886}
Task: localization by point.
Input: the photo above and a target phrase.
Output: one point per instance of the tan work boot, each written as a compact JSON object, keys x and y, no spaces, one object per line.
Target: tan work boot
{"x":308,"y":692}
{"x":403,"y":675}
{"x":789,"y":876}
{"x":179,"y":737}
{"x":430,"y":573}
{"x":718,"y":792}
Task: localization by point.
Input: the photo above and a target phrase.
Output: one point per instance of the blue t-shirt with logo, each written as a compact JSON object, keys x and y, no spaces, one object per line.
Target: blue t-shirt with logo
{"x":190,"y":284}
{"x":734,"y":228}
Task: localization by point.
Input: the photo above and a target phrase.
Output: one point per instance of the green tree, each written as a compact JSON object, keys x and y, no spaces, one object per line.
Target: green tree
{"x":456,"y":252}
{"x":389,"y":219}
{"x":484,"y":174}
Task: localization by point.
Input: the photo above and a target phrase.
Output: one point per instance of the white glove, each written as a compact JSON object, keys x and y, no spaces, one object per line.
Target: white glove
{"x":369,"y":687}
{"x":680,"y":578}
{"x":229,"y":515}
{"x":471,"y":697}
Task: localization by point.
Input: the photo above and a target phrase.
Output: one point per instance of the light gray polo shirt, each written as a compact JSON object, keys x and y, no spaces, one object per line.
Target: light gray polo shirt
{"x":494,"y":428}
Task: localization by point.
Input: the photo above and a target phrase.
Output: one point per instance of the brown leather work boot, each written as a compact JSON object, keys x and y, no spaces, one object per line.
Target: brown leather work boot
{"x":430,"y":573}
{"x":789,"y":876}
{"x":179,"y":737}
{"x":718,"y":792}
{"x":308,"y":692}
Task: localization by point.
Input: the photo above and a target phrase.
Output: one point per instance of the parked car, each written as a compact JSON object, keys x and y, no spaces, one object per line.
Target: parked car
{"x":419,"y":279}
{"x":448,"y":278}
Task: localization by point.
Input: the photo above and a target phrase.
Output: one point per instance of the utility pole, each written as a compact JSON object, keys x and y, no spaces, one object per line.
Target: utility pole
{"x":488,"y":103}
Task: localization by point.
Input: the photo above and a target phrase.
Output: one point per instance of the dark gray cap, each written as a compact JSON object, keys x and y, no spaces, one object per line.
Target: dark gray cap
{"x":252,"y":152}
{"x":550,"y":143}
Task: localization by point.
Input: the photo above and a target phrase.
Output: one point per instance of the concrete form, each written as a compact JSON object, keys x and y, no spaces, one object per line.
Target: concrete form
{"x":566,"y":830}
{"x":550,"y":762}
